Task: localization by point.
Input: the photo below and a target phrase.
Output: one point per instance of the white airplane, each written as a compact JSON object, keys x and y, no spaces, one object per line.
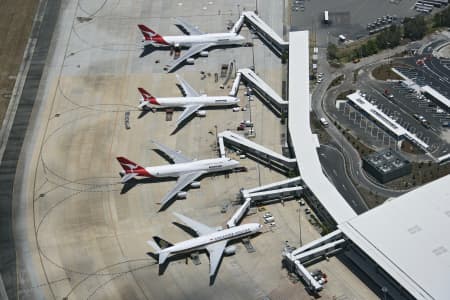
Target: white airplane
{"x":197,"y":41}
{"x":186,"y":169}
{"x":214,"y":240}
{"x":191,"y":103}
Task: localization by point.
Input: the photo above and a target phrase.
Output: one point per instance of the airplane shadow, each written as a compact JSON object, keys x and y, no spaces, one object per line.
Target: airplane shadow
{"x":186,"y":229}
{"x":149,"y":49}
{"x":143,"y":113}
{"x":127,"y":186}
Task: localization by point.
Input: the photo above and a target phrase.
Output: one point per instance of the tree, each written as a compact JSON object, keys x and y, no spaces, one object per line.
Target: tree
{"x":372,"y":47}
{"x":363,"y":50}
{"x":442,"y":19}
{"x":415,"y":28}
{"x":389,"y":38}
{"x":332,"y":50}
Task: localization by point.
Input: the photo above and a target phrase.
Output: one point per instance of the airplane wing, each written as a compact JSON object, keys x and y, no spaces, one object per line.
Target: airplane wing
{"x":189,"y":110}
{"x":188,"y":90}
{"x":182,"y":182}
{"x":199,"y":228}
{"x":215,"y":254}
{"x":187,"y":28}
{"x":187,"y":54}
{"x":174,"y":155}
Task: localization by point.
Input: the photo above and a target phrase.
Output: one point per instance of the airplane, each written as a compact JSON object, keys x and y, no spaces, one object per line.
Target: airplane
{"x":197,"y":41}
{"x":214,"y":240}
{"x":191,"y":103}
{"x":186,"y":169}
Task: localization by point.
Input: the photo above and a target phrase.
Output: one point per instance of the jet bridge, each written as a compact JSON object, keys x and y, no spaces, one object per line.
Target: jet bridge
{"x":327,"y":245}
{"x":271,"y":98}
{"x":265,"y":33}
{"x":271,"y":192}
{"x":288,"y":188}
{"x":257,"y":152}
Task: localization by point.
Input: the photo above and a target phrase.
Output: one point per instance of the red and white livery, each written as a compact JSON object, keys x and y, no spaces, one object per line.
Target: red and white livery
{"x":192,"y":102}
{"x":186,"y":169}
{"x":197,"y":41}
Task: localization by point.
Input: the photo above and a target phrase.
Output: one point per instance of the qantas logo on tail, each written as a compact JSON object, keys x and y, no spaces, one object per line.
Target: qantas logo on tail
{"x":150,"y":35}
{"x":131,"y":167}
{"x":148,"y":97}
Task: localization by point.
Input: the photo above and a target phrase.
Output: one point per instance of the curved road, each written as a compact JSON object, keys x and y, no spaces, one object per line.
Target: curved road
{"x":321,"y":97}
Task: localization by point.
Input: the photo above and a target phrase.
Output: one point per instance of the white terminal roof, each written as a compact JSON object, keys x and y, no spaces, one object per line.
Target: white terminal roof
{"x":385,"y":120}
{"x":256,"y":80}
{"x":438,"y":96}
{"x":305,"y":143}
{"x":409,"y":237}
{"x":256,"y":20}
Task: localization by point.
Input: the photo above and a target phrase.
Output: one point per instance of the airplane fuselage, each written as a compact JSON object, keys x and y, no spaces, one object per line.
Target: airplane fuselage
{"x":206,"y":165}
{"x":190,"y":40}
{"x":183,"y":101}
{"x":202,"y":242}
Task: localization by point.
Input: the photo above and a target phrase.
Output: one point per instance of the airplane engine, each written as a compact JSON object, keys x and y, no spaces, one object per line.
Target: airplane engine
{"x":177,"y":46}
{"x":204,"y":53}
{"x":201,"y":113}
{"x":190,"y":61}
{"x":195,"y":184}
{"x":230,"y":250}
{"x":122,"y":172}
{"x":182,"y":195}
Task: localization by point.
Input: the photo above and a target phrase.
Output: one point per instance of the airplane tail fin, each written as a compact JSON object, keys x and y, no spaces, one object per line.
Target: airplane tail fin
{"x":162,"y":242}
{"x":154,"y":245}
{"x":162,"y":255}
{"x":149,"y":35}
{"x":127,"y":164}
{"x":147,"y":98}
{"x":159,"y":245}
{"x":131,"y":169}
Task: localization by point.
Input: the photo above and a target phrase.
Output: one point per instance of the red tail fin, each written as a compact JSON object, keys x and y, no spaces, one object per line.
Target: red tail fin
{"x":128,"y":165}
{"x":147,"y":32}
{"x":150,"y":35}
{"x":147,"y":96}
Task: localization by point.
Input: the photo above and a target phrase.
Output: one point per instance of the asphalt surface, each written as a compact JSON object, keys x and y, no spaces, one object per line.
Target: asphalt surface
{"x":348,"y":17}
{"x":323,"y":98}
{"x":334,"y":164}
{"x":42,"y":32}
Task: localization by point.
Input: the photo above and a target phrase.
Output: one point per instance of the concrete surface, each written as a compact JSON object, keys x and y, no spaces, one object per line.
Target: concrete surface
{"x":81,"y":236}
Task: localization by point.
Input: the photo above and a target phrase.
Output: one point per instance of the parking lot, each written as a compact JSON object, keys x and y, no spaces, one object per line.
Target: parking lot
{"x":438,"y":80}
{"x":413,"y":112}
{"x":363,"y":127}
{"x":351,"y":22}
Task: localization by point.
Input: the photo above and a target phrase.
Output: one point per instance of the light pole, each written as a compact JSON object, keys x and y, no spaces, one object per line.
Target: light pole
{"x":300,"y":225}
{"x":385,"y":291}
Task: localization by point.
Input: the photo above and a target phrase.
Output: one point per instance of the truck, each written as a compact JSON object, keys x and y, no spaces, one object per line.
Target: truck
{"x":326,"y":19}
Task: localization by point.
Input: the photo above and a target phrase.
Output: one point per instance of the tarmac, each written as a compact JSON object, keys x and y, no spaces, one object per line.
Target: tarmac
{"x":78,"y":233}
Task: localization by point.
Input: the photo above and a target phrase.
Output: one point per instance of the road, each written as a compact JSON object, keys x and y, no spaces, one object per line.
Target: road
{"x":13,"y":244}
{"x":321,"y":98}
{"x":333,"y":163}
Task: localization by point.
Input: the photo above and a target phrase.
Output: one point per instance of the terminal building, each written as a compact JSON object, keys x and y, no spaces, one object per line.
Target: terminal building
{"x":436,"y":97}
{"x":402,"y":246}
{"x":386,"y":165}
